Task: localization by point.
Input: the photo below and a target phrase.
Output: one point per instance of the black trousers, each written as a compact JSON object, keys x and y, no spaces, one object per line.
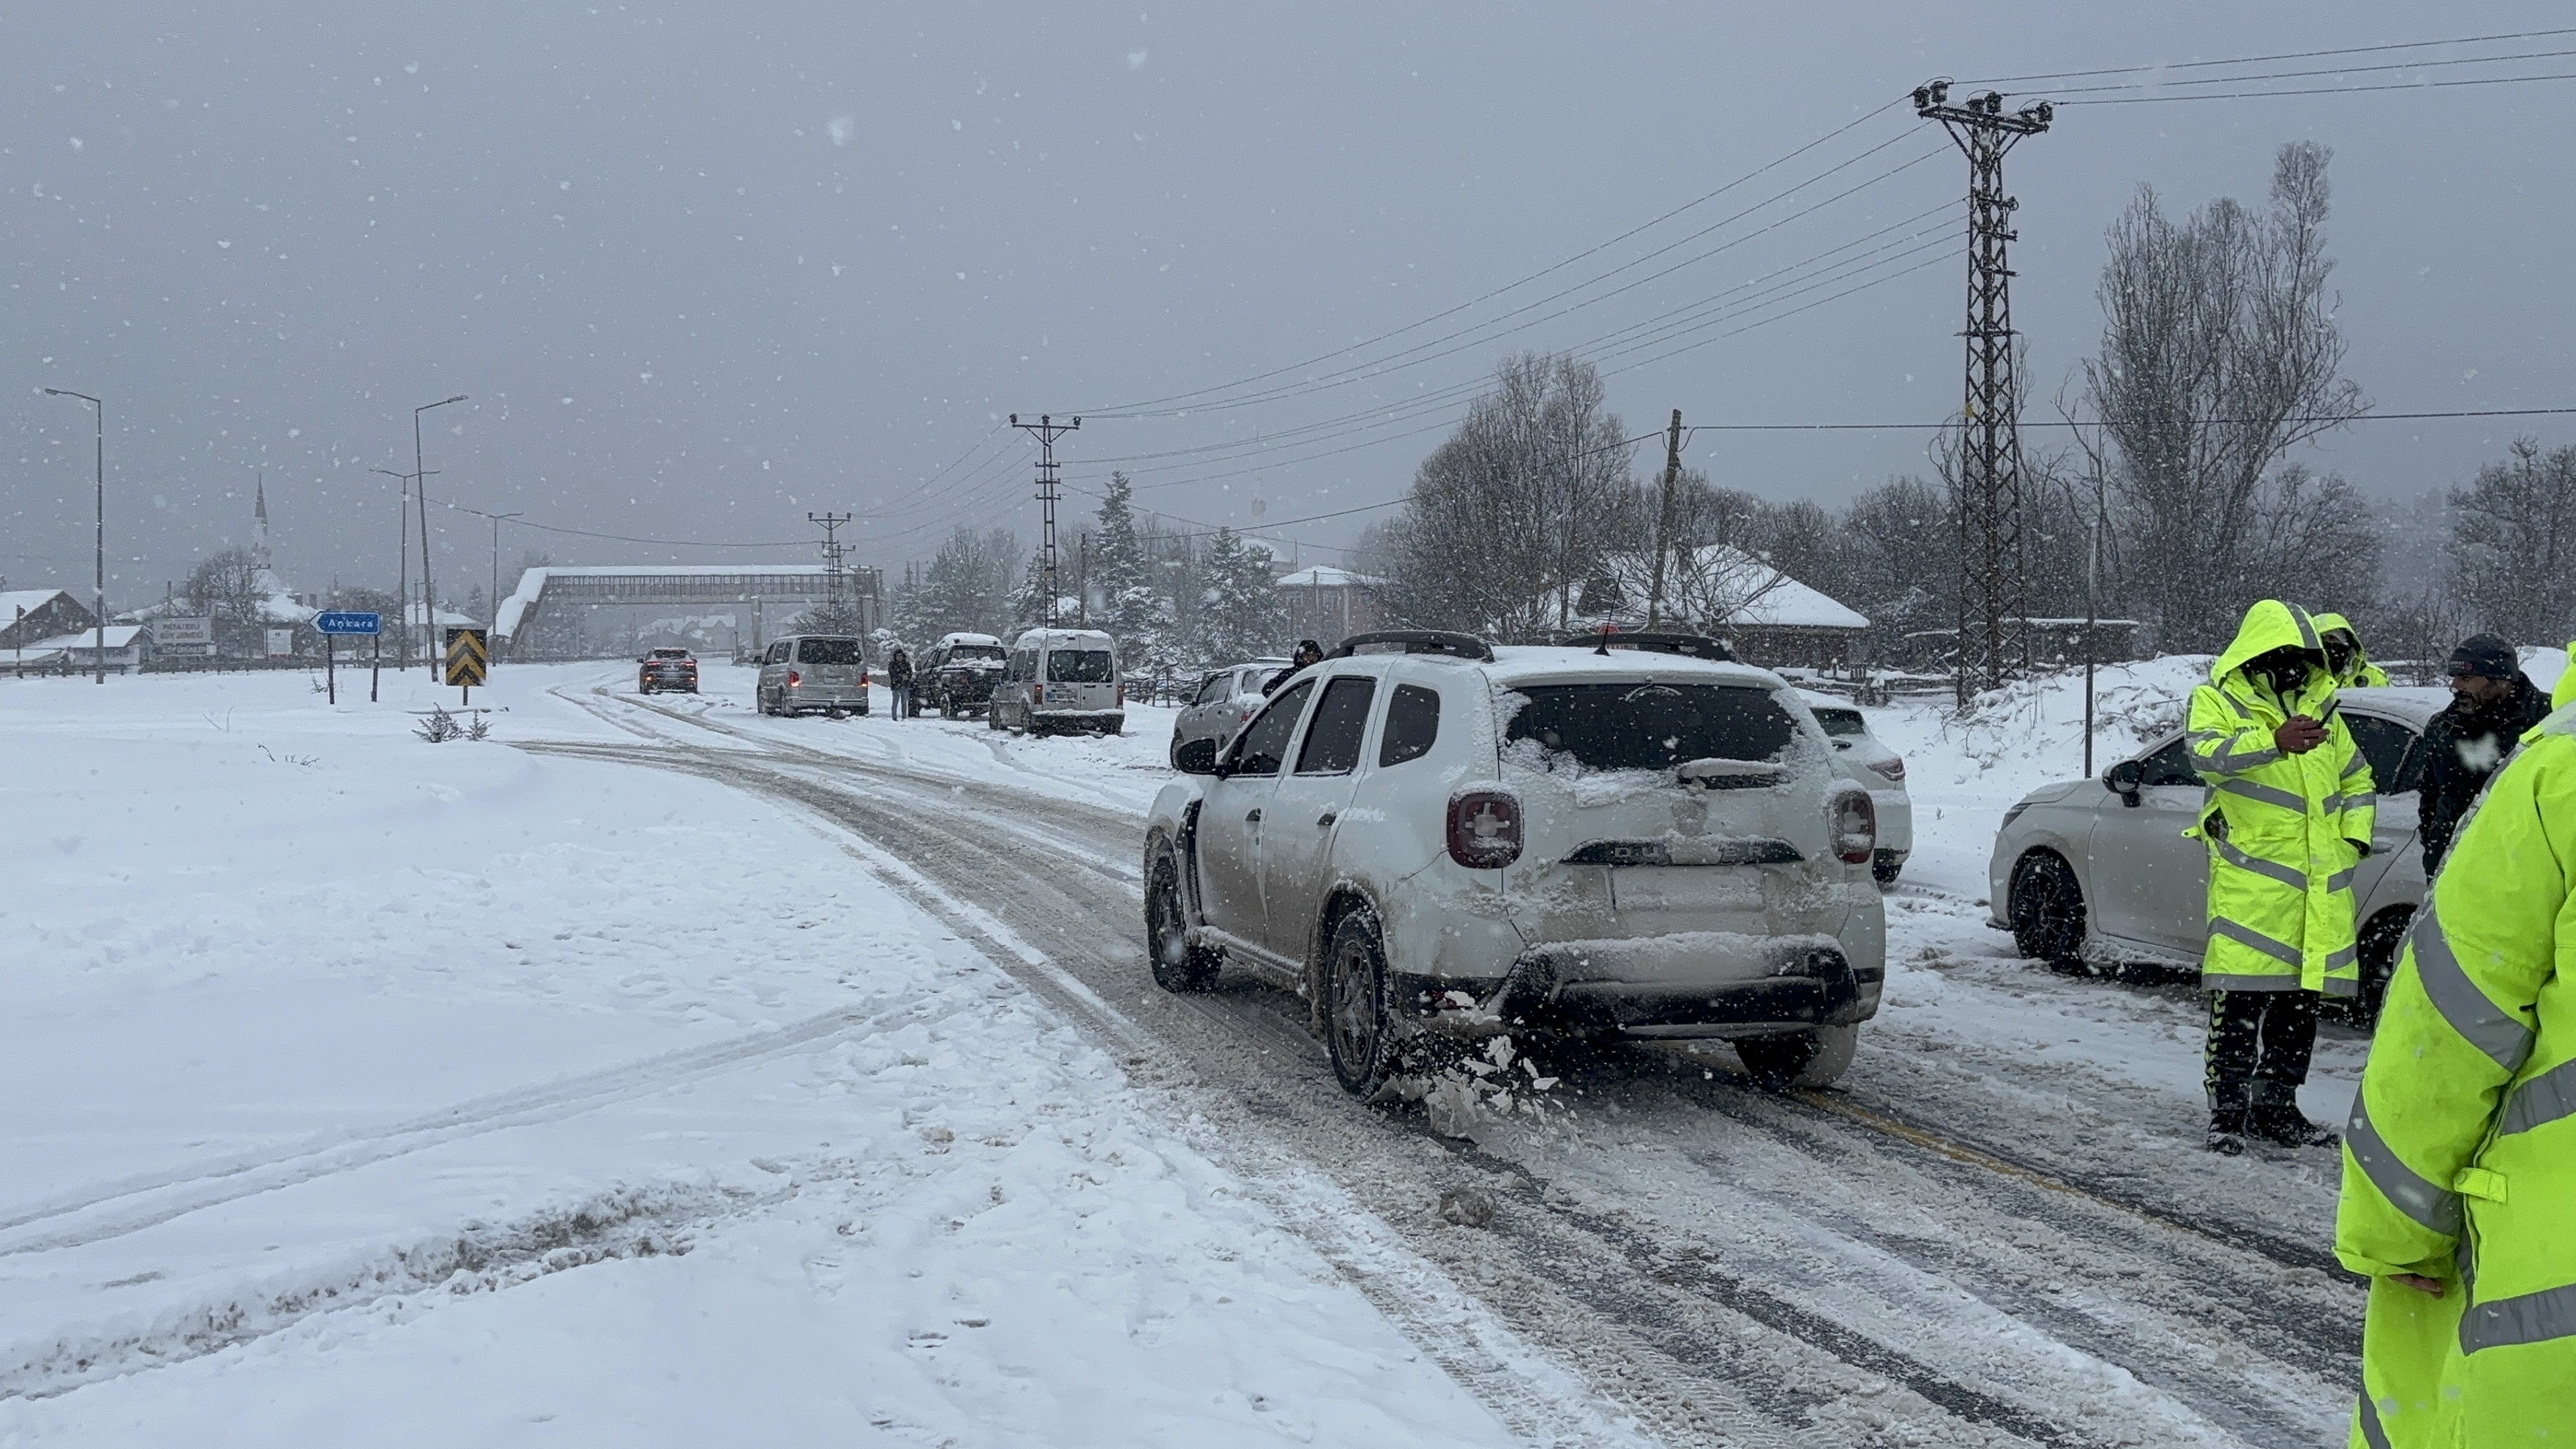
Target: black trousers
{"x":2259,"y":1046}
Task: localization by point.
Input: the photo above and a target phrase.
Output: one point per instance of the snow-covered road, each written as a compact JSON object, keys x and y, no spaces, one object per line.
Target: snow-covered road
{"x":329,"y":1035}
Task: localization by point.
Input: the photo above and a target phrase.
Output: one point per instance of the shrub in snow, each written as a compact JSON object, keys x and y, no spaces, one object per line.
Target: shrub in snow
{"x":440,"y":727}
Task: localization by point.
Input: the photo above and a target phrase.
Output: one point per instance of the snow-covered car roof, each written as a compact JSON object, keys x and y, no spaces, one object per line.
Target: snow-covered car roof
{"x":1530,"y":663}
{"x":1818,"y":699}
{"x":1050,"y":638}
{"x":2416,"y":706}
{"x":950,"y":640}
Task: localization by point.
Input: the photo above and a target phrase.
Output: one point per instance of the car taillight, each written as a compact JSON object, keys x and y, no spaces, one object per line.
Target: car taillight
{"x":1855,"y":823}
{"x":1484,"y":828}
{"x":863,"y":677}
{"x":1037,"y":694}
{"x":793,"y":680}
{"x":1893,"y":769}
{"x":1122,"y":694}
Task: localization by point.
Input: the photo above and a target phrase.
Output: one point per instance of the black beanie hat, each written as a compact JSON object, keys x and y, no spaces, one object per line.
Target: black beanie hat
{"x":2488,"y":656}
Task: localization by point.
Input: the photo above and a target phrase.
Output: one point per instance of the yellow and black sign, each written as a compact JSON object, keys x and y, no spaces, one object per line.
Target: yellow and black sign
{"x":468,"y":660}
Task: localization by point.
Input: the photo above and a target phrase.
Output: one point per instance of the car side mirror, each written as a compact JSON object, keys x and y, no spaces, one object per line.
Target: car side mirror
{"x":1196,"y":757}
{"x":2125,"y":779}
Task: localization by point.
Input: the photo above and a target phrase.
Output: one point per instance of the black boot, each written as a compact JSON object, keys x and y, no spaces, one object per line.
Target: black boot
{"x":2226,"y":1131}
{"x":2285,"y":1124}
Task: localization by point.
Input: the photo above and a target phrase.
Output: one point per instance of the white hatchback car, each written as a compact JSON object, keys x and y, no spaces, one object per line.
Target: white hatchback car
{"x":1870,"y":764}
{"x":2100,"y":871}
{"x":1423,"y":834}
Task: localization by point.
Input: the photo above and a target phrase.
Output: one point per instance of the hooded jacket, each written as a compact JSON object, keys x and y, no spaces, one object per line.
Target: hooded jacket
{"x":2463,"y":747}
{"x":2284,"y":831}
{"x":2460,"y":1159}
{"x":2361,"y":673}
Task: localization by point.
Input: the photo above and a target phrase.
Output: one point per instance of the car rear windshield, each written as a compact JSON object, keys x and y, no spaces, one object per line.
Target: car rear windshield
{"x":1079,"y":666}
{"x":1652,"y":726}
{"x":975,"y":651}
{"x":828,"y":651}
{"x":1842,"y":723}
{"x":670,"y":653}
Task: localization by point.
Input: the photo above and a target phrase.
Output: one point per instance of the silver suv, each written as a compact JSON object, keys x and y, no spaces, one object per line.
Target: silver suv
{"x":1427,"y":835}
{"x":813,"y":674}
{"x":1224,"y":700}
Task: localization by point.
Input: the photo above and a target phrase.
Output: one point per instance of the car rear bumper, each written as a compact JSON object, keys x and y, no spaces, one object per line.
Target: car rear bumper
{"x":1689,"y":984}
{"x":853,"y":699}
{"x":1112,"y":720}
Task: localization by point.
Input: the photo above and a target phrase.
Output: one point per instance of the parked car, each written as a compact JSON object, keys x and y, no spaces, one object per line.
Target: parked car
{"x":663,"y":669}
{"x":1431,"y":837}
{"x":1870,"y":764}
{"x":812,"y":673}
{"x":2099,"y":870}
{"x":1224,"y":699}
{"x":956,"y":675}
{"x":1061,"y":679}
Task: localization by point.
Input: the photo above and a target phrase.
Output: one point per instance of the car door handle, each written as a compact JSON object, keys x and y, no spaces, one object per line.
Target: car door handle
{"x":1252,"y":816}
{"x":1326,"y":819}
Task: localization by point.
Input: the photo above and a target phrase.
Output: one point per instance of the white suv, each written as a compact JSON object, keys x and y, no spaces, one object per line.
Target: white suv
{"x":1423,"y":834}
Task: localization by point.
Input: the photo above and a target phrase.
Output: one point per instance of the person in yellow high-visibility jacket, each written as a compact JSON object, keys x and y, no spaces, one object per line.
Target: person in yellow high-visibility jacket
{"x":2459,"y":1172}
{"x":2288,"y":821}
{"x":2345,"y":658}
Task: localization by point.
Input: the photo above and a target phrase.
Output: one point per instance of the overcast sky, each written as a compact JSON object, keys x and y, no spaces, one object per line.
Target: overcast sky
{"x":703,"y":269}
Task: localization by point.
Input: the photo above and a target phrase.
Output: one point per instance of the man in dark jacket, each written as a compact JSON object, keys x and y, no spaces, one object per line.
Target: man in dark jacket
{"x":899,"y":682}
{"x":1308,"y":652}
{"x":2492,"y":703}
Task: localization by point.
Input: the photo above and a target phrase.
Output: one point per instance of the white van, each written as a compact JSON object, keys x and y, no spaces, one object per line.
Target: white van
{"x":1061,"y":679}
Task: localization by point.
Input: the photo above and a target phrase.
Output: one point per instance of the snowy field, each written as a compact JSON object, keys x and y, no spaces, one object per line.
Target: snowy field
{"x":332,"y":1051}
{"x":322,"y":1037}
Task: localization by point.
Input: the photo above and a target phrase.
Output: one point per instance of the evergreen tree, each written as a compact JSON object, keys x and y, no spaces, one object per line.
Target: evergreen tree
{"x":1241,"y":614}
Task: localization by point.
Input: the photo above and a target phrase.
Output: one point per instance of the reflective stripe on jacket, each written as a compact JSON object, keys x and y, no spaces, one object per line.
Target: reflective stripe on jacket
{"x":2280,"y":827}
{"x":2460,"y":1161}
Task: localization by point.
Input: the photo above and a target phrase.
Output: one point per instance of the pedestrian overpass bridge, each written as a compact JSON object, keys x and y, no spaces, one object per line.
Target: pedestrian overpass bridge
{"x":775,"y":592}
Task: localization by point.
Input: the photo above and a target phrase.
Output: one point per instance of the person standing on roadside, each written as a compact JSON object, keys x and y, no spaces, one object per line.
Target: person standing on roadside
{"x":1308,"y":652}
{"x":2493,"y":703}
{"x":2288,"y":819}
{"x":899,"y":682}
{"x":2345,"y":658}
{"x":2459,"y":1169}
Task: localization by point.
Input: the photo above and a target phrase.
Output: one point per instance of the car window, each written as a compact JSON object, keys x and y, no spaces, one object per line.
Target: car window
{"x":777,"y":653}
{"x":1642,"y":725}
{"x":975,"y":651}
{"x":1412,"y":724}
{"x":1842,"y":724}
{"x":1080,"y":666}
{"x":1264,"y":746}
{"x":1332,"y":744}
{"x":1023,"y":665}
{"x":2169,"y":766}
{"x":2384,"y":743}
{"x":1214,"y":688}
{"x":828,"y":651}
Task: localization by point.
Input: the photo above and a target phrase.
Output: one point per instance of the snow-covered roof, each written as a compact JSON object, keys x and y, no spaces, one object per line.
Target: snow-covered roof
{"x":119,"y":636}
{"x":505,"y":620}
{"x":1777,"y":600}
{"x":12,"y":600}
{"x":1322,"y":577}
{"x":955,"y":639}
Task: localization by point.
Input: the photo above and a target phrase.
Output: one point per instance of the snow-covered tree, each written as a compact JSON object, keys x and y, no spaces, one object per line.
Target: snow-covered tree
{"x":1240,"y":612}
{"x":967,"y":588}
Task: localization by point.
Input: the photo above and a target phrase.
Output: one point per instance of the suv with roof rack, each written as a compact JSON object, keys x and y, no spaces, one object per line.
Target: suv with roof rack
{"x":1433,"y":838}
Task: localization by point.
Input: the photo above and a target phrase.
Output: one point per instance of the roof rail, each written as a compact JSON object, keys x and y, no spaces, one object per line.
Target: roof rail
{"x":1654,"y":641}
{"x":1414,"y":641}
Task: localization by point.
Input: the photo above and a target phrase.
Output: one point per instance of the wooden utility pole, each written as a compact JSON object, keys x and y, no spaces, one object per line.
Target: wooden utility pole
{"x":1664,"y":517}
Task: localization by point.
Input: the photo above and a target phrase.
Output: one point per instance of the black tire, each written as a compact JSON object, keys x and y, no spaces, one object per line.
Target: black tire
{"x":1178,"y":965}
{"x":993,"y":720}
{"x":1885,"y":866}
{"x":1799,"y":1058}
{"x":2383,"y":940}
{"x":2047,"y":911}
{"x":1359,"y":1020}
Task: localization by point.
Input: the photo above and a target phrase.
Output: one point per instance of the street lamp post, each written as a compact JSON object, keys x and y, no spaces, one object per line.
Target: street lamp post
{"x":402,"y":578}
{"x":98,"y":583}
{"x":428,"y":597}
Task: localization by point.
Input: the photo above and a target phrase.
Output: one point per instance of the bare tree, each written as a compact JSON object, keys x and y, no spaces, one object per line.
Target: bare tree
{"x":2219,"y":354}
{"x":2512,"y":544}
{"x":226,"y":585}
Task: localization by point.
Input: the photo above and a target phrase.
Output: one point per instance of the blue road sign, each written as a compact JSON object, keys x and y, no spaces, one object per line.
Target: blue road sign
{"x":342,"y":622}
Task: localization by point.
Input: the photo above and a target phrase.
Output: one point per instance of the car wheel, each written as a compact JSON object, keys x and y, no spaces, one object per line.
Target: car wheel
{"x":1178,"y":965}
{"x":1799,"y":1058}
{"x":992,"y":719}
{"x":1358,"y":1026}
{"x":1885,"y":866}
{"x":2047,"y":911}
{"x":2382,"y":942}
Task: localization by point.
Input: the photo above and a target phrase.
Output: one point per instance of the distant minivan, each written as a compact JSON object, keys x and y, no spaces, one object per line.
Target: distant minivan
{"x":810,"y":673}
{"x":1061,"y":679}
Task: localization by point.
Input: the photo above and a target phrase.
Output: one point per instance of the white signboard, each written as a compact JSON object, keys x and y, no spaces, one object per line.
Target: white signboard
{"x":182,"y":632}
{"x":281,"y":643}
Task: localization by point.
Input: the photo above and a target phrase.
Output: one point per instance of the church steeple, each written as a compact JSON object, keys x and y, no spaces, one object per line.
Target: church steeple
{"x":259,"y":513}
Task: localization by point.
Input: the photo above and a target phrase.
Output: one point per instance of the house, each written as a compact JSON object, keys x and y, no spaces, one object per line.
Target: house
{"x":1767,"y":617}
{"x":1330,"y":604}
{"x":27,"y":615}
{"x":129,"y":649}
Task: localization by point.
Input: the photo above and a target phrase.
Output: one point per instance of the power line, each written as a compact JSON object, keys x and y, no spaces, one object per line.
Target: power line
{"x":2266,"y":59}
{"x":2371,"y":417}
{"x":2500,"y":80}
{"x":2228,"y":80}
